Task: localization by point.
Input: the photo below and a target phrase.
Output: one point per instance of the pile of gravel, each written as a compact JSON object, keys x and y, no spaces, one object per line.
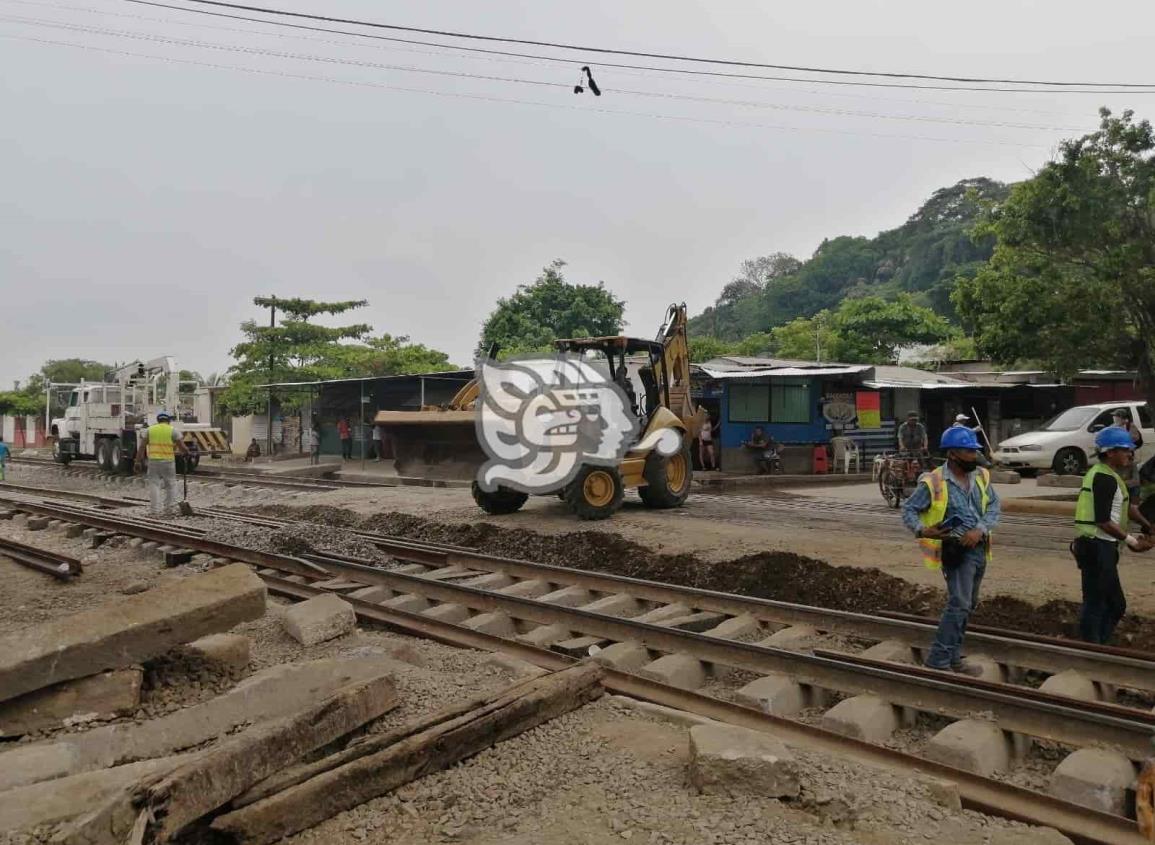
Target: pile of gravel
{"x":296,"y":540}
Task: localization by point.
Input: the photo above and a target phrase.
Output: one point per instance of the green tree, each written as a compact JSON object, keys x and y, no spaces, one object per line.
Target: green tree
{"x":390,"y":356}
{"x":872,"y":329}
{"x":529,"y":321}
{"x":1072,"y":279}
{"x":67,"y":371}
{"x":804,"y":338}
{"x":293,"y":350}
{"x":18,"y":402}
{"x":705,"y":347}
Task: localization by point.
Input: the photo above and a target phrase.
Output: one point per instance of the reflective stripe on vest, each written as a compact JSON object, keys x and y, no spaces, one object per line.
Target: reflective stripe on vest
{"x":160,"y":442}
{"x":936,"y":513}
{"x":1085,"y":507}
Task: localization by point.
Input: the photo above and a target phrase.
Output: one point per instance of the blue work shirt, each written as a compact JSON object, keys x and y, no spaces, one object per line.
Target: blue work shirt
{"x":3,"y":452}
{"x":966,"y":504}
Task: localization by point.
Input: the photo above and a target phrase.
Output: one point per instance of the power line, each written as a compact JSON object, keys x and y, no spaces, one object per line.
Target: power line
{"x":495,"y":99}
{"x":665,"y":56}
{"x":208,"y":45}
{"x":652,"y":68}
{"x":495,"y":55}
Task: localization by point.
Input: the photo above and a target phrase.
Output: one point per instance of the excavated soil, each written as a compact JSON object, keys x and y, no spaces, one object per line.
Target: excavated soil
{"x":783,"y":576}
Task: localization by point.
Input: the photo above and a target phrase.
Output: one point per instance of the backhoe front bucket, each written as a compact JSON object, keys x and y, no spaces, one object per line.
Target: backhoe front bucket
{"x":434,"y":445}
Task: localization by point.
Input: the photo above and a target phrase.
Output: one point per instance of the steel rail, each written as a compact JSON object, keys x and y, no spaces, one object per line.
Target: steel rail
{"x":1084,"y":826}
{"x":1062,"y":720}
{"x":1120,"y":667}
{"x":59,"y":566}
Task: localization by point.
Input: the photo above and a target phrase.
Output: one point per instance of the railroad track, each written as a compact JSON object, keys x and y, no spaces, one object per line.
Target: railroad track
{"x":60,"y":566}
{"x":238,"y":477}
{"x":682,"y":639}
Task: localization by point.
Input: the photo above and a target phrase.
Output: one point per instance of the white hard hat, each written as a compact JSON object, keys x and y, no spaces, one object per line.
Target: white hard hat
{"x":961,"y":418}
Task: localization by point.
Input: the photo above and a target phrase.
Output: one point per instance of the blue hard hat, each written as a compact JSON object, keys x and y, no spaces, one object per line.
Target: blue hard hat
{"x":163,"y":415}
{"x":1114,"y":437}
{"x":958,"y":437}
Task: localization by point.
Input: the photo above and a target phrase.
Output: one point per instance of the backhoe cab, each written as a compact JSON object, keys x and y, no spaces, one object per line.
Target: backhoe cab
{"x":653,"y":374}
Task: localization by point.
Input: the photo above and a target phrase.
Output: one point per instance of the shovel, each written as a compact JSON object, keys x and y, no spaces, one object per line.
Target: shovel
{"x":184,"y":508}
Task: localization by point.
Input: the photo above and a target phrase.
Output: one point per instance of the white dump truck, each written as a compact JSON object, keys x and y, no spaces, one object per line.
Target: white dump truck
{"x":104,"y":420}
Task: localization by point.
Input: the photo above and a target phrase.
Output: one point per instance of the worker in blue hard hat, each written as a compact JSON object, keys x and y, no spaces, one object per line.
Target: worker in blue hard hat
{"x":1104,"y":511}
{"x":952,"y":512}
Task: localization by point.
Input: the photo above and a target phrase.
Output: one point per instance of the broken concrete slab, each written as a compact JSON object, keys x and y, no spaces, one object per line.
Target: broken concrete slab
{"x":129,"y":630}
{"x":229,"y":650}
{"x":973,"y":746}
{"x":319,"y":619}
{"x":101,"y":696}
{"x":1094,"y":778}
{"x":729,"y":760}
{"x":56,"y":801}
{"x":271,"y":693}
{"x":865,"y":717}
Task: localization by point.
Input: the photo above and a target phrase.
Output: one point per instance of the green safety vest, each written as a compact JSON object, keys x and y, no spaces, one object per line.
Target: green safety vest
{"x":1085,"y":508}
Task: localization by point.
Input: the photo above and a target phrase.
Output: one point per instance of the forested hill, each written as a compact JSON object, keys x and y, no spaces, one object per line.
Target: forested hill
{"x":921,"y":257}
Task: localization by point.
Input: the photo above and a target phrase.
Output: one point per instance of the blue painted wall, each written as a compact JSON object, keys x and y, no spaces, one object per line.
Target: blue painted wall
{"x":733,"y":433}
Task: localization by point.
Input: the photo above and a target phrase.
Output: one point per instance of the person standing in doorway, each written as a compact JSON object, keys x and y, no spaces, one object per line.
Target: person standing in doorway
{"x":160,"y":444}
{"x":1102,"y":514}
{"x":345,"y":432}
{"x":377,"y":443}
{"x":706,"y":446}
{"x":952,"y":512}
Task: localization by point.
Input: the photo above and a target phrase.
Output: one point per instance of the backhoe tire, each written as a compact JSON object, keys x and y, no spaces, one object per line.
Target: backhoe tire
{"x":595,"y":493}
{"x":501,"y":501}
{"x":668,"y":479}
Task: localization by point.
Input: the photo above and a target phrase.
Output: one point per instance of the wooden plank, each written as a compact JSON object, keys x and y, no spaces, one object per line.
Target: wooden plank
{"x":372,"y":768}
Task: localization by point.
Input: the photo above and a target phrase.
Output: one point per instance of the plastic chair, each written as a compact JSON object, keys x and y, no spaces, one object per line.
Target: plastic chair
{"x":845,"y":451}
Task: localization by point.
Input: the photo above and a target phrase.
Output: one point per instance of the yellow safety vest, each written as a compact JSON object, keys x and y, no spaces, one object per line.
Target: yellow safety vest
{"x":160,"y":446}
{"x":1085,"y":506}
{"x":936,"y":513}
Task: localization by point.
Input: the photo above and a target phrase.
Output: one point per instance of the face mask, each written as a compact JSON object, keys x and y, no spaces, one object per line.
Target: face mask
{"x":965,"y":466}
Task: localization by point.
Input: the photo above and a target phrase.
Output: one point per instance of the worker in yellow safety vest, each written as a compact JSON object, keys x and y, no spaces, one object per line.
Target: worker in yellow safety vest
{"x":953,"y":511}
{"x":1103,"y":513}
{"x":160,"y":444}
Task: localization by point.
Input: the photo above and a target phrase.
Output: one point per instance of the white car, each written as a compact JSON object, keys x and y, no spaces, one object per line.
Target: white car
{"x":1066,"y":443}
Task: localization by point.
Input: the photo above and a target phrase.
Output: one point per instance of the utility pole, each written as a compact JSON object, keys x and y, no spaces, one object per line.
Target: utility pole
{"x":272,"y":364}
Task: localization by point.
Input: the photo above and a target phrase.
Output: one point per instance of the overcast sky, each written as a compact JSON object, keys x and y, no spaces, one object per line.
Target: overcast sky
{"x":144,"y":202}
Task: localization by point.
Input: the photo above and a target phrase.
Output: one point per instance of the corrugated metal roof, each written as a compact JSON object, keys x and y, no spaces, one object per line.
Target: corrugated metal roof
{"x":788,"y":372}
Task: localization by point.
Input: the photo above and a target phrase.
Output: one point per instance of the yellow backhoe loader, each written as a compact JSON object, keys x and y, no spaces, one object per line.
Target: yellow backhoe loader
{"x":442,"y":442}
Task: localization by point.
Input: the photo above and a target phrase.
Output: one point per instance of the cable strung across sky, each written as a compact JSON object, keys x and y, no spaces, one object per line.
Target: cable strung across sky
{"x":665,"y":56}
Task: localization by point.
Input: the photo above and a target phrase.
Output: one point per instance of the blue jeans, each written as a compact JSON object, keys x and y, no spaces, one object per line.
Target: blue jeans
{"x":962,"y":586}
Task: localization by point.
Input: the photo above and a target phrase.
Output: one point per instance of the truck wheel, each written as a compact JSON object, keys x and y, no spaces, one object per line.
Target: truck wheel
{"x":668,"y":479}
{"x":595,"y":493}
{"x":58,"y":454}
{"x":103,"y":461}
{"x":117,"y":462}
{"x":501,"y":501}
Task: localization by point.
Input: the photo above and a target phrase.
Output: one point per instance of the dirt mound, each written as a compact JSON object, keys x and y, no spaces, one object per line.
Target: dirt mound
{"x":782,"y":576}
